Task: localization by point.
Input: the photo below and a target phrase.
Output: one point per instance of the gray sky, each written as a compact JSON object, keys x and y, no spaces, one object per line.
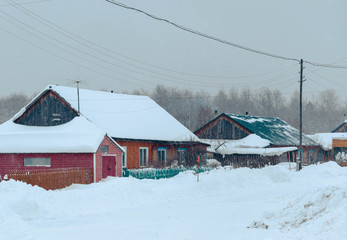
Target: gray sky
{"x":126,"y":50}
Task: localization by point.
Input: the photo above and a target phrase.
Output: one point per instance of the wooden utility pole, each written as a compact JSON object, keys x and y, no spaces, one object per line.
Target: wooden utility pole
{"x":299,"y":160}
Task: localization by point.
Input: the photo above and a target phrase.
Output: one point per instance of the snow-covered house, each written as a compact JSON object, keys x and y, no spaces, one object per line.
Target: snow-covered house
{"x":75,"y":144}
{"x":149,"y":135}
{"x":334,"y":145}
{"x":278,"y":133}
{"x":251,"y":151}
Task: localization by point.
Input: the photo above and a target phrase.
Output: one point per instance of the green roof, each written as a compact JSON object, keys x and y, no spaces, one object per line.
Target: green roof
{"x":277,"y":131}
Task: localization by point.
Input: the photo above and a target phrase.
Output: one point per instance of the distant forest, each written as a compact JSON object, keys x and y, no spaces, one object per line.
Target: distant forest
{"x":193,"y":109}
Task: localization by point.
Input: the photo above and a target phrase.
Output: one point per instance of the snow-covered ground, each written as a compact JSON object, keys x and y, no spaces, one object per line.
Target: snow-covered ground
{"x":268,"y":203}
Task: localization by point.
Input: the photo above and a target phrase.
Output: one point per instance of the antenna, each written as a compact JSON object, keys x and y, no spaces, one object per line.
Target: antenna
{"x":78,"y":93}
{"x":77,"y":81}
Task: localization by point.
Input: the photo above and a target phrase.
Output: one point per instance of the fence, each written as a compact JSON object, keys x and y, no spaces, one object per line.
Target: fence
{"x":343,"y":164}
{"x":53,"y":178}
{"x":158,"y":173}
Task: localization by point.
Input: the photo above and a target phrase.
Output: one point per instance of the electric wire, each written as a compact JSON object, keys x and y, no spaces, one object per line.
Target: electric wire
{"x":24,"y":3}
{"x":222,"y":40}
{"x":167,"y":77}
{"x":106,"y":51}
{"x":203,"y":34}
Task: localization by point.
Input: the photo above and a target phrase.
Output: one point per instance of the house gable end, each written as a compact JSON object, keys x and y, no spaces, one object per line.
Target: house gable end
{"x":49,"y":109}
{"x":341,"y":128}
{"x":223,"y":127}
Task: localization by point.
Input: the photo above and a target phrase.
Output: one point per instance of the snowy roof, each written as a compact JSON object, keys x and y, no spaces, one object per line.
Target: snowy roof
{"x":325,"y":140}
{"x":76,"y":136}
{"x":252,"y":144}
{"x":258,"y":151}
{"x":277,"y":131}
{"x":251,"y":141}
{"x":125,"y":116}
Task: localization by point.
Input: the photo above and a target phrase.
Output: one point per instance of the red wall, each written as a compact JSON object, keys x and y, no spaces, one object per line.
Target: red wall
{"x":113,"y":150}
{"x":12,"y":161}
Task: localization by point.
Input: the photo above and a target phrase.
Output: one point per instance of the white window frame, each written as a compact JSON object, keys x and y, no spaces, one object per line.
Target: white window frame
{"x":124,"y":157}
{"x":146,"y":160}
{"x":30,"y":162}
{"x":164,"y":150}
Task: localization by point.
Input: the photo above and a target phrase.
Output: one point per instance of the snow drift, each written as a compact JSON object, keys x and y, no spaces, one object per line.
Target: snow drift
{"x":268,"y":203}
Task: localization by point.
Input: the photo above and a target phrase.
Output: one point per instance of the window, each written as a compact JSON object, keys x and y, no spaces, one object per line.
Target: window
{"x":311,"y":156}
{"x":37,"y":162}
{"x":104,"y":149}
{"x":124,"y":157}
{"x":143,"y":156}
{"x":182,"y":155}
{"x":162,"y":155}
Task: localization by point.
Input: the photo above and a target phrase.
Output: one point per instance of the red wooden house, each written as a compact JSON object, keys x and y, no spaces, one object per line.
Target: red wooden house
{"x":149,"y":135}
{"x":76,"y":144}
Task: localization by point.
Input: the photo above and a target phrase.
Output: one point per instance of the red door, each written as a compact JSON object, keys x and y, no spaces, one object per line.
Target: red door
{"x":108,"y":166}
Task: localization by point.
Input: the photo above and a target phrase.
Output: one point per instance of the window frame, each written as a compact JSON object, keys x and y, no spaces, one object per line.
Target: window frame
{"x":124,"y":157}
{"x":162,"y":150}
{"x":146,"y":155}
{"x":185,"y":150}
{"x":102,"y":148}
{"x":26,"y":161}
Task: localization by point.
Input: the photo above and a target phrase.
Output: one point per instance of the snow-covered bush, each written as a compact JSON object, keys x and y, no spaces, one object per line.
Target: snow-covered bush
{"x":213,"y":163}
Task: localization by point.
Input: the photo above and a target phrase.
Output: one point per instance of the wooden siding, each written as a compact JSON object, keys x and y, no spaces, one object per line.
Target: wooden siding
{"x":222,"y":128}
{"x":113,"y":150}
{"x":133,"y":152}
{"x":48,"y":110}
{"x":58,"y":160}
{"x":64,"y":160}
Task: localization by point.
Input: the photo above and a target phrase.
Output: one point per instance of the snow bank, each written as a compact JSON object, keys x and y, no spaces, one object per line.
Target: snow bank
{"x":268,"y":203}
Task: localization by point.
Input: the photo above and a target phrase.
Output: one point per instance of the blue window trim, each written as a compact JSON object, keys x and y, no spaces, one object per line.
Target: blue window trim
{"x":162,"y":148}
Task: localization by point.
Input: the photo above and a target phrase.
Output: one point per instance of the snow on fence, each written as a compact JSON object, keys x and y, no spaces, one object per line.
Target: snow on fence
{"x":51,"y":179}
{"x":158,"y":173}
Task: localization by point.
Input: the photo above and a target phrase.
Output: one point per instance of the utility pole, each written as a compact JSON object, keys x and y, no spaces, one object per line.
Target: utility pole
{"x":299,"y":161}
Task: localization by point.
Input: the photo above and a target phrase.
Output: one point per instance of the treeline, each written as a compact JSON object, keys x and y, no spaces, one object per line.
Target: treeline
{"x":323,"y":113}
{"x":10,"y":105}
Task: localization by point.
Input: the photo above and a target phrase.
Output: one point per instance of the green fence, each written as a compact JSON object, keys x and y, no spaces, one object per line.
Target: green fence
{"x":158,"y":173}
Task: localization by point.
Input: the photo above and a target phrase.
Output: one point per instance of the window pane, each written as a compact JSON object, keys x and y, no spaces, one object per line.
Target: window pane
{"x":104,"y":149}
{"x":37,"y":162}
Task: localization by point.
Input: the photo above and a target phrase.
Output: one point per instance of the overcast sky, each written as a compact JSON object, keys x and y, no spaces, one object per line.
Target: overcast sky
{"x":112,"y":48}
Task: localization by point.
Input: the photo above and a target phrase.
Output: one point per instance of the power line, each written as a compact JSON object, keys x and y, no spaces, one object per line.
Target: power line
{"x":222,"y":40}
{"x":204,"y":34}
{"x":178,"y":80}
{"x":107,"y":52}
{"x":326,"y":65}
{"x":24,"y":3}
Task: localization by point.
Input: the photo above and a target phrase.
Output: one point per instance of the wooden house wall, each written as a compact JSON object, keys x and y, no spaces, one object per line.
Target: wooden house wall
{"x":222,"y":128}
{"x":113,"y":150}
{"x":14,"y":161}
{"x":133,"y":152}
{"x":249,"y":160}
{"x":49,"y":110}
{"x":338,"y":146}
